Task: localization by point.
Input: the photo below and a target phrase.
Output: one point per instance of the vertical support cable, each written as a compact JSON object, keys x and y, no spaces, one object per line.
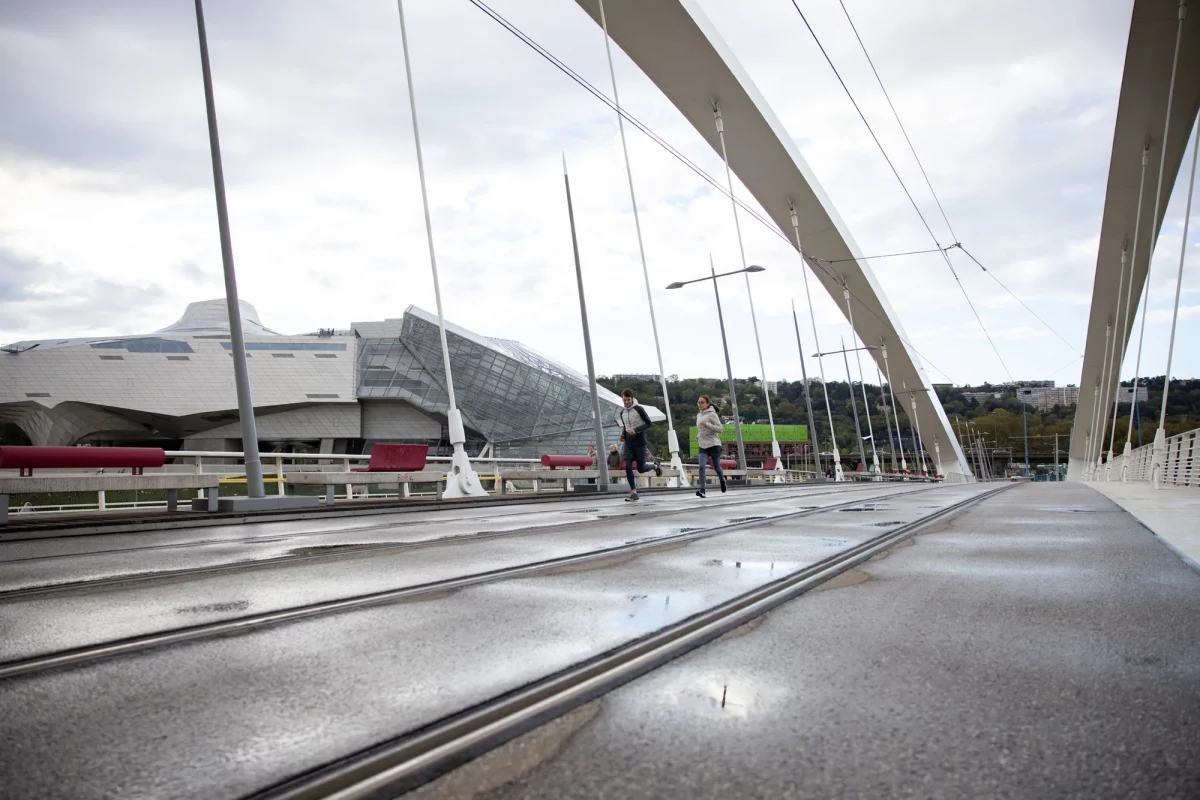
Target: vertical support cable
{"x":753,"y":317}
{"x":839,"y":474}
{"x":1162,"y":163}
{"x":461,"y":480}
{"x":1098,"y":439}
{"x":1137,"y":224}
{"x":812,"y":423}
{"x":672,"y":437}
{"x":1160,"y":434}
{"x":862,"y":384}
{"x":892,"y":393}
{"x":886,"y":422}
{"x":1113,"y":368}
{"x":862,"y":456}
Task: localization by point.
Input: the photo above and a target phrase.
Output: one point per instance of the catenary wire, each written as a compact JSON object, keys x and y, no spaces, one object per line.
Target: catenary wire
{"x":699,"y":171}
{"x":928,"y":183}
{"x":903,"y":186}
{"x":896,"y":114}
{"x":1014,"y":296}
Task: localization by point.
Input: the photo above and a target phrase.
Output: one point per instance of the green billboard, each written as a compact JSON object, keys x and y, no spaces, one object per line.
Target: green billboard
{"x":753,"y":433}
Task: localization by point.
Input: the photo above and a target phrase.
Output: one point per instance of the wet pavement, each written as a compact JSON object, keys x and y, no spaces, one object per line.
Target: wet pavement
{"x":1039,"y":644}
{"x":40,"y":622}
{"x":224,"y":716}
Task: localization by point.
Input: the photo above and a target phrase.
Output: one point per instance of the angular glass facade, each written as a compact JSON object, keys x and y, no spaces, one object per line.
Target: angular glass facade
{"x":522,"y":402}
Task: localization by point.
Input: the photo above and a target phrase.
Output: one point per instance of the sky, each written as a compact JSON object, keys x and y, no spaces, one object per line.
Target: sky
{"x":108,"y":221}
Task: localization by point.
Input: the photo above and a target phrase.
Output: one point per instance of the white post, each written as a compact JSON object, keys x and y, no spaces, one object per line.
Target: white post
{"x":888,"y":369}
{"x":1162,"y":162}
{"x":461,"y":481}
{"x":862,"y":384}
{"x":100,"y":505}
{"x":839,"y":474}
{"x":672,"y":436}
{"x":1160,"y":435}
{"x":1097,"y":415}
{"x":279,"y":476}
{"x":780,"y":473}
{"x":1113,"y":368}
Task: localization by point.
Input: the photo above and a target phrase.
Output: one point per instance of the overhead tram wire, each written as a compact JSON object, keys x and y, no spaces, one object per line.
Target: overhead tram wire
{"x":928,"y":183}
{"x":896,"y":114}
{"x":683,"y":159}
{"x":1014,"y":296}
{"x":903,"y":186}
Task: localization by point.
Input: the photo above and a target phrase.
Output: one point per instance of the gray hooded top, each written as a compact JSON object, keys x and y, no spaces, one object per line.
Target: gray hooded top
{"x":708,"y":428}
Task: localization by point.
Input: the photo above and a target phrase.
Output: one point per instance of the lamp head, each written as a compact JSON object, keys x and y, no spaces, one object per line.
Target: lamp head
{"x":755,"y":268}
{"x":675,"y":285}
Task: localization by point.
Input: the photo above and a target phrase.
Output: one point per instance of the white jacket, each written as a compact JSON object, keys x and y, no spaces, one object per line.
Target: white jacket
{"x":708,"y":428}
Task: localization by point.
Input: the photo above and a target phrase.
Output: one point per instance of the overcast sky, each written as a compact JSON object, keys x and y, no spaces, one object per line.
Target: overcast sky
{"x":108,"y":223}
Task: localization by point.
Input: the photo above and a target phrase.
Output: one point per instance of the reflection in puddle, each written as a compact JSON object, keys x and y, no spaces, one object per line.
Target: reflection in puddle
{"x":736,"y":696}
{"x":767,"y":567}
{"x":649,"y":612}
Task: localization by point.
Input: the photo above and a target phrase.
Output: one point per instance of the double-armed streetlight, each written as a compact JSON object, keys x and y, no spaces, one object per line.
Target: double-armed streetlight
{"x":737,"y":420}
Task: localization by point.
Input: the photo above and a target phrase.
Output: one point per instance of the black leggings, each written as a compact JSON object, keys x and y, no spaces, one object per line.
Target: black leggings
{"x":714,"y":453}
{"x":635,"y":453}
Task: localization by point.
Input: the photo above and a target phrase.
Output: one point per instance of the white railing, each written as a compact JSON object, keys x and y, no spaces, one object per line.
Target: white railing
{"x":1180,"y":463}
{"x":229,"y":464}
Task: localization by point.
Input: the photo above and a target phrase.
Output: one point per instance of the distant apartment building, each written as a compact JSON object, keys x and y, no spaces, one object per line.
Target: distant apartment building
{"x":980,"y":397}
{"x":1125,"y":393}
{"x":1045,"y":398}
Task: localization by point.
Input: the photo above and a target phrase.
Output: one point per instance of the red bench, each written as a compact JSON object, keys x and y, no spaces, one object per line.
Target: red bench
{"x":26,"y":458}
{"x":770,"y":463}
{"x":555,"y":461}
{"x":396,"y":458}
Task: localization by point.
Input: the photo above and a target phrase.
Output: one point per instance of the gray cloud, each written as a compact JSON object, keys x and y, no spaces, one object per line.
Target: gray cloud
{"x":83,"y":306}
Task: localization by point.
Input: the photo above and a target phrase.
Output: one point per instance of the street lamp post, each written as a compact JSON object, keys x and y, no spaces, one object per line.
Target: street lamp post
{"x":862,"y":455}
{"x":737,"y":420}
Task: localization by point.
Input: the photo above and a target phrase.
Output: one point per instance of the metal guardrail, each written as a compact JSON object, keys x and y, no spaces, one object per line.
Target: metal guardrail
{"x":1180,"y":465}
{"x":229,"y":464}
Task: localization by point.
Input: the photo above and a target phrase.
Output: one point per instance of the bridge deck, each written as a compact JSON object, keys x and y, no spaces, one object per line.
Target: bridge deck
{"x":1040,"y":644}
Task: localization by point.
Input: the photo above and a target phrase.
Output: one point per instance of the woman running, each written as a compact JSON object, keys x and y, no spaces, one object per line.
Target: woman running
{"x":708,"y":437}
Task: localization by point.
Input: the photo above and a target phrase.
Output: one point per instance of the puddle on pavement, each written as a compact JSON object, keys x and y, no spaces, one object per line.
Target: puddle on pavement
{"x":830,"y":542}
{"x":215,"y":608}
{"x":736,"y":696}
{"x":885,"y":524}
{"x":649,"y":612}
{"x":766,"y":567}
{"x":866,"y":507}
{"x":736,"y":520}
{"x":583,"y":511}
{"x":685,"y":530}
{"x":1070,"y":509}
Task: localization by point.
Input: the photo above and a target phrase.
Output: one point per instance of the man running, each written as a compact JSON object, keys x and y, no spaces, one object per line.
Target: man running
{"x":634,"y":421}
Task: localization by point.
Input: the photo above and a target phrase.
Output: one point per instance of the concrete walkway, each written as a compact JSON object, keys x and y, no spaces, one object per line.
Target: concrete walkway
{"x":1172,"y":512}
{"x":1041,"y":644}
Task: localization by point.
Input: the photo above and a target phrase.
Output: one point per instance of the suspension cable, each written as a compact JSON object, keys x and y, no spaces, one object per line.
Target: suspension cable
{"x":992,"y":275}
{"x":896,"y":114}
{"x":683,"y":159}
{"x":903,"y":186}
